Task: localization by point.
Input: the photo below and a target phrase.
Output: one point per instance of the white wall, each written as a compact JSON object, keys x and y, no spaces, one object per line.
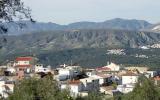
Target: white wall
{"x":23,"y":62}
{"x":90,"y":84}
{"x":129,"y":79}
{"x":64,"y":72}
{"x":125,"y":88}
{"x":75,"y":89}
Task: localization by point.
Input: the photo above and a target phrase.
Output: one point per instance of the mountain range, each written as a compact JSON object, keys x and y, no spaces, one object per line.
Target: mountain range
{"x":117,"y":23}
{"x":61,"y":42}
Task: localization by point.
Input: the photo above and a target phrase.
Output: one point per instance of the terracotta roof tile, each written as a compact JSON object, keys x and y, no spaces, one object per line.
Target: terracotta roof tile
{"x":24,"y":58}
{"x":74,"y":82}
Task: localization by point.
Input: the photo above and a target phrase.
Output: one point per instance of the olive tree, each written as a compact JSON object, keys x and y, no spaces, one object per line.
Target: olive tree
{"x":11,"y":11}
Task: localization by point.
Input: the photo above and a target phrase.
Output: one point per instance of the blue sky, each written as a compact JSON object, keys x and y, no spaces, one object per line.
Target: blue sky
{"x":68,"y":11}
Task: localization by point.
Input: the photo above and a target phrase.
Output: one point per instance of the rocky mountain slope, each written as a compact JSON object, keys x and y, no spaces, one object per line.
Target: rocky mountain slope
{"x":28,"y":27}
{"x":155,"y":28}
{"x":61,"y":40}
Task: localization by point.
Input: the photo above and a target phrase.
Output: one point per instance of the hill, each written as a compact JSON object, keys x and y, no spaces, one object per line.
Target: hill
{"x":99,"y":38}
{"x":29,"y":27}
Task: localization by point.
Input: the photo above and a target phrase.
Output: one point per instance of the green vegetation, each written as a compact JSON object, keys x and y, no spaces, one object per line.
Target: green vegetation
{"x":87,"y":48}
{"x":93,"y":57}
{"x":144,"y":90}
{"x":38,"y":89}
{"x":47,"y":89}
{"x":44,"y":89}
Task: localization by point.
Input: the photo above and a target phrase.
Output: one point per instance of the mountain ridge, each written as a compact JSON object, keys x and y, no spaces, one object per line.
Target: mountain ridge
{"x":117,"y":23}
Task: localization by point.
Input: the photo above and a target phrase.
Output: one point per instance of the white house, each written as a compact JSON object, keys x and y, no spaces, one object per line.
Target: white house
{"x":5,"y":88}
{"x":41,"y":68}
{"x":103,"y":78}
{"x":75,"y":88}
{"x":90,"y":84}
{"x":113,"y":67}
{"x":152,"y":73}
{"x":81,"y":87}
{"x":108,"y":90}
{"x":110,"y":67}
{"x":125,"y":88}
{"x":68,"y":72}
{"x":25,"y":64}
{"x":90,"y":73}
{"x":11,"y":70}
{"x":129,"y":78}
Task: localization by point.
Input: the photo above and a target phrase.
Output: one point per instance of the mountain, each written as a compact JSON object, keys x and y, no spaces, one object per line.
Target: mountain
{"x":29,"y":27}
{"x":112,"y":24}
{"x":61,"y":40}
{"x":155,"y":28}
{"x":16,"y":28}
{"x":83,"y":46}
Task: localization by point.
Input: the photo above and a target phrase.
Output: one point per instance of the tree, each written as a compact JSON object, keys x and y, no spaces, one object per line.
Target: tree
{"x":12,"y":10}
{"x":91,"y":96}
{"x":39,"y":89}
{"x":144,"y":90}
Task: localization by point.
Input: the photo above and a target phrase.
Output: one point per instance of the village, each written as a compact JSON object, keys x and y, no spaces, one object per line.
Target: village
{"x":109,"y":80}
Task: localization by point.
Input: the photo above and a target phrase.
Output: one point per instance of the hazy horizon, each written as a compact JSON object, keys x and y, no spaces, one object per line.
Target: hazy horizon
{"x":69,"y":11}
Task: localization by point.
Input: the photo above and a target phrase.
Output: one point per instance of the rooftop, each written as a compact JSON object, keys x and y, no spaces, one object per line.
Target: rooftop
{"x":130,"y":74}
{"x":74,"y":82}
{"x":24,"y":58}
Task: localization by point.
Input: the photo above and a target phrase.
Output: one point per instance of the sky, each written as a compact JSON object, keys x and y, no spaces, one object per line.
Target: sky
{"x":69,"y":11}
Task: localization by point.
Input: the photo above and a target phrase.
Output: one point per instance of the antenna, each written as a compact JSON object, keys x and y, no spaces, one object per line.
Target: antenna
{"x":71,"y":63}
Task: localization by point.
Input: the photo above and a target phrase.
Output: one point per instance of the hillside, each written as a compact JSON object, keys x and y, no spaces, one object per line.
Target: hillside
{"x":61,"y":40}
{"x":29,"y":27}
{"x":83,"y":46}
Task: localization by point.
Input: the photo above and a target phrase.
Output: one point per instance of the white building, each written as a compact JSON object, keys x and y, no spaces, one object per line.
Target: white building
{"x":75,"y":87}
{"x":152,"y":73}
{"x":68,"y":72}
{"x":113,"y":67}
{"x":11,"y":69}
{"x":81,"y":87}
{"x":90,"y":73}
{"x":25,"y":64}
{"x":5,"y":88}
{"x":108,"y":90}
{"x":90,"y":84}
{"x":125,"y":88}
{"x":41,"y":68}
{"x":103,"y":78}
{"x":129,"y":78}
{"x":110,"y":67}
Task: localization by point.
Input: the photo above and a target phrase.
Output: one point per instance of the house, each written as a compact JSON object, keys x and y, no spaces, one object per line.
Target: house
{"x":129,"y":78}
{"x":104,"y":79}
{"x":68,"y":72}
{"x":9,"y":71}
{"x":20,"y":75}
{"x":139,"y":69}
{"x":5,"y":87}
{"x":103,"y":69}
{"x":152,"y":73}
{"x":90,"y":73}
{"x":40,"y":68}
{"x":109,"y":67}
{"x":75,"y":87}
{"x":125,"y":88}
{"x":90,"y":84}
{"x":108,"y":90}
{"x":157,"y":80}
{"x":25,"y":64}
